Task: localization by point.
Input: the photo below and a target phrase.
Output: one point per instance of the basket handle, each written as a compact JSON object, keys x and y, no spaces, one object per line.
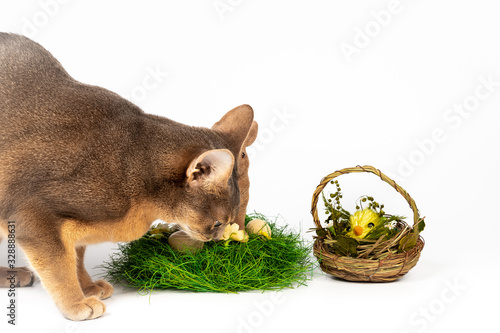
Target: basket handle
{"x":366,"y":168}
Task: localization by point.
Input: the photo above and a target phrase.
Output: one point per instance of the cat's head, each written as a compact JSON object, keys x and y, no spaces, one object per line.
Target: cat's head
{"x":216,"y":180}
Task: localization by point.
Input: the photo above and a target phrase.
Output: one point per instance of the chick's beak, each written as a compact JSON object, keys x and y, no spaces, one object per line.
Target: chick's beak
{"x":358,"y":230}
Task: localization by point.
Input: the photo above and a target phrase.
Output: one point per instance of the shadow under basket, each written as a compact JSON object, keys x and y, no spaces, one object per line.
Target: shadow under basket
{"x":386,"y":266}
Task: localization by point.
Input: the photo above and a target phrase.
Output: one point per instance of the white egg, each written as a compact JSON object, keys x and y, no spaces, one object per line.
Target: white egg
{"x":258,"y":226}
{"x":180,"y":241}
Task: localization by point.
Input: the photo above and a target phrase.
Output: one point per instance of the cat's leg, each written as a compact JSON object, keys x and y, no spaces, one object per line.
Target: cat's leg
{"x":56,"y":264}
{"x":22,"y":276}
{"x":99,"y":288}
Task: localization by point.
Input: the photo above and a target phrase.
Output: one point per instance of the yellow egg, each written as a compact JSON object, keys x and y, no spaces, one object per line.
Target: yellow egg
{"x":259,"y":227}
{"x":180,"y":241}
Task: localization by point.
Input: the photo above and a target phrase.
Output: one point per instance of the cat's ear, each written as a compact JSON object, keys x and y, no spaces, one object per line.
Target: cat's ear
{"x":235,"y":126}
{"x":211,"y":169}
{"x":251,"y":136}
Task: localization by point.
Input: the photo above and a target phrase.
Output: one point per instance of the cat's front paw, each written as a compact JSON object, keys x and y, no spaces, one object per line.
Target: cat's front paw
{"x":100,"y":289}
{"x":87,"y":308}
{"x":26,"y":277}
{"x":19,"y":276}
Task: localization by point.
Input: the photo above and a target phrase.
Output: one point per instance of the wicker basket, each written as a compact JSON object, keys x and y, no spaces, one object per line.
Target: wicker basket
{"x":389,"y":266}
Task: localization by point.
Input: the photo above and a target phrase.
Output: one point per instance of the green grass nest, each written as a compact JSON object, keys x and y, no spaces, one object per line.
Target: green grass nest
{"x":259,"y":264}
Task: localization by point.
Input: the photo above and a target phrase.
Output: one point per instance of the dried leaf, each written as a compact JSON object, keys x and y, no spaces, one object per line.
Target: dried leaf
{"x":346,"y":246}
{"x":421,"y":225}
{"x":408,"y":242}
{"x":321,"y":233}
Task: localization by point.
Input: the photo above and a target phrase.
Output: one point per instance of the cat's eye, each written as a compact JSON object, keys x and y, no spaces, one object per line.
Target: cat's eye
{"x":243,"y":155}
{"x":217,"y":224}
{"x":371,"y":225}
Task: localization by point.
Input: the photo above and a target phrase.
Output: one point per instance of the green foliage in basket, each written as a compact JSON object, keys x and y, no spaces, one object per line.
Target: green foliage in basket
{"x":369,"y":224}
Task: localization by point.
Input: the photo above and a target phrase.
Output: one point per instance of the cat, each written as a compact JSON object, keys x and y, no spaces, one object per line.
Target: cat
{"x":80,"y":165}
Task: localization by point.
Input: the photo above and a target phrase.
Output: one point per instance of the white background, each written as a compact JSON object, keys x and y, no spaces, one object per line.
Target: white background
{"x":333,"y":84}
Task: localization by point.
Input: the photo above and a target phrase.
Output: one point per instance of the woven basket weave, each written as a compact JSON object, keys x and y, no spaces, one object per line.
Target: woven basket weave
{"x":391,"y":267}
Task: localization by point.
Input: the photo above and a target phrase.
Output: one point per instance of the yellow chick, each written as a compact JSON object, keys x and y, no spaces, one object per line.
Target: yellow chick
{"x":232,"y":232}
{"x":362,"y":222}
{"x":259,"y":227}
